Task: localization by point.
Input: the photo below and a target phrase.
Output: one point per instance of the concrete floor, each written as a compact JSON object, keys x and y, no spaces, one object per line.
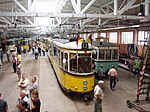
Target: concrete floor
{"x":52,"y":97}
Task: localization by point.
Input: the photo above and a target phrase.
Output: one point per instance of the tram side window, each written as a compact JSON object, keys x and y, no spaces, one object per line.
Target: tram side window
{"x":73,"y":62}
{"x":61,"y":58}
{"x":95,"y":54}
{"x":101,"y":54}
{"x":55,"y":51}
{"x":114,"y":54}
{"x":65,"y":61}
{"x":84,"y":63}
{"x":51,"y":50}
{"x":108,"y":54}
{"x":57,"y":59}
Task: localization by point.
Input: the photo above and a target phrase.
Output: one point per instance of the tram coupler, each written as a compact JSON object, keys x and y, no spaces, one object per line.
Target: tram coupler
{"x":86,"y":98}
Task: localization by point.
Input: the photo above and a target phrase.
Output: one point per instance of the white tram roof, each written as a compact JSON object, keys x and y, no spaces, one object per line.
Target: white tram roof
{"x":103,"y":44}
{"x":64,"y":43}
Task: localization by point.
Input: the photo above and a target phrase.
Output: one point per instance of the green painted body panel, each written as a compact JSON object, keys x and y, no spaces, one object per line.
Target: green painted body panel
{"x":106,"y":65}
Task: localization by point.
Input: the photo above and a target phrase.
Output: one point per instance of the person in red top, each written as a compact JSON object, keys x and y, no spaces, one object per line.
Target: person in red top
{"x":113,"y":77}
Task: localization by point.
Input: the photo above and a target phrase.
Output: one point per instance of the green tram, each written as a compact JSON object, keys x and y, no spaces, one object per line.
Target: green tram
{"x":106,"y":54}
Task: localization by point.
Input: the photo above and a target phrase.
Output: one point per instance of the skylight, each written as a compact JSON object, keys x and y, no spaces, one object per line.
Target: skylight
{"x":45,"y":7}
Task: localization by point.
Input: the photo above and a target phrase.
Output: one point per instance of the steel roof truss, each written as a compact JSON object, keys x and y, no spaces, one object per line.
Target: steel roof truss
{"x":74,"y":4}
{"x":126,"y":7}
{"x":87,"y":6}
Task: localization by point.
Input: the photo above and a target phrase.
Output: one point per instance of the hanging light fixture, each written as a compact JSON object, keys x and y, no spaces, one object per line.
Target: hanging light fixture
{"x":141,"y":13}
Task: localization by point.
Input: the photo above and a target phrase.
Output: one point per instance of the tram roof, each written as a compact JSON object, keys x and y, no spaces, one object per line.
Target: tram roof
{"x":64,"y":43}
{"x":103,"y":44}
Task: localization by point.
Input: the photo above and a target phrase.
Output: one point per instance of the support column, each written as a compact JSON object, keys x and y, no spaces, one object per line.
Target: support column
{"x":78,"y":6}
{"x":135,"y":37}
{"x":29,"y":5}
{"x":119,"y":37}
{"x":115,"y":7}
{"x":146,"y":8}
{"x":99,"y":20}
{"x":107,"y":35}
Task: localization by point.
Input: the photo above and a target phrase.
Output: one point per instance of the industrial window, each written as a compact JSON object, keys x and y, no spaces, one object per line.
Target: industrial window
{"x":95,"y":36}
{"x":113,"y":37}
{"x":103,"y":35}
{"x":127,"y":38}
{"x":142,"y":36}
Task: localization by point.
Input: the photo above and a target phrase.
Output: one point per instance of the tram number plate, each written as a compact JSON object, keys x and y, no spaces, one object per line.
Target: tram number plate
{"x":84,"y":45}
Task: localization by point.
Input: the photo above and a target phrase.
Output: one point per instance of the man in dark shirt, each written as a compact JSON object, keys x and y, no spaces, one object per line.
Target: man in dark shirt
{"x":3,"y":105}
{"x":36,"y":103}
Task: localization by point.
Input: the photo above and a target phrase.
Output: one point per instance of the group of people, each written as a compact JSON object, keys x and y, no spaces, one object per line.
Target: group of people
{"x":98,"y":90}
{"x":38,"y":49}
{"x":113,"y":77}
{"x":28,"y":100}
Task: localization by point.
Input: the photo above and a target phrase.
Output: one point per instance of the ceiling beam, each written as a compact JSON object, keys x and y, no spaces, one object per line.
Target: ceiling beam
{"x":29,"y":21}
{"x":5,"y":20}
{"x":29,"y":14}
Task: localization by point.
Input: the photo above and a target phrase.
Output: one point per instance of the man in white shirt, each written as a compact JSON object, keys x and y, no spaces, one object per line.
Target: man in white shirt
{"x":24,"y":83}
{"x":113,"y":77}
{"x":98,"y":96}
{"x":23,"y":97}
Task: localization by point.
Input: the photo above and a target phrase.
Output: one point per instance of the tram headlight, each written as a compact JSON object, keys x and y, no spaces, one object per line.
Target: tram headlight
{"x":85,"y":87}
{"x":75,"y":88}
{"x":85,"y":82}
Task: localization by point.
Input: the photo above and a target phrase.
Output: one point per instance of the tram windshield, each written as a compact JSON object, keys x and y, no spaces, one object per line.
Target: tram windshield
{"x":101,"y":54}
{"x":82,"y":64}
{"x":10,"y":42}
{"x":24,"y":42}
{"x":108,"y":54}
{"x":115,"y":54}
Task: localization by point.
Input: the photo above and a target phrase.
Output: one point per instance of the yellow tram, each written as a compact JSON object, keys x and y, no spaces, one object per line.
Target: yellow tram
{"x":25,"y":45}
{"x":72,"y":64}
{"x":10,"y":45}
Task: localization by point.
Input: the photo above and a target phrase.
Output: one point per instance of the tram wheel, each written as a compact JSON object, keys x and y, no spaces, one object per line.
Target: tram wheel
{"x":129,"y":105}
